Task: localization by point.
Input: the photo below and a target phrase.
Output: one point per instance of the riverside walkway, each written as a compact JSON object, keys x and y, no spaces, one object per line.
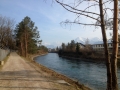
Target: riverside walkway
{"x":20,"y":74}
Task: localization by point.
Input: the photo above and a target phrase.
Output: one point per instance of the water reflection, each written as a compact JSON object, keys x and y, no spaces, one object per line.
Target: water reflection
{"x":91,"y":73}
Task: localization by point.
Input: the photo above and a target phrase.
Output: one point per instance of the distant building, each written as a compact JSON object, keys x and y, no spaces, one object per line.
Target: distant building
{"x":49,"y":49}
{"x":100,"y":47}
{"x":52,"y":50}
{"x":81,"y":45}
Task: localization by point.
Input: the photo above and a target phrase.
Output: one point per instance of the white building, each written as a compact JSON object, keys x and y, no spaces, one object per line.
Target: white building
{"x":100,"y":47}
{"x":81,"y":45}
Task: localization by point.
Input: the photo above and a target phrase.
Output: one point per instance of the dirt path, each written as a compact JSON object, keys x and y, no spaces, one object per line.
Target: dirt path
{"x":20,"y":74}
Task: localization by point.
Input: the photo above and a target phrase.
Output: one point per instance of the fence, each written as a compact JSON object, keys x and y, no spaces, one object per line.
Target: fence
{"x":3,"y":54}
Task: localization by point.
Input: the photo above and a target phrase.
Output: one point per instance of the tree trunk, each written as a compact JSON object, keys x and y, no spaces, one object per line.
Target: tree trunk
{"x":21,"y":46}
{"x":115,"y":47}
{"x":25,"y":43}
{"x":107,"y":56}
{"x":25,"y":40}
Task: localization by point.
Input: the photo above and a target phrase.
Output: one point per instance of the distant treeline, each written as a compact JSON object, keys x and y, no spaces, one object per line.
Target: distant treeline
{"x":78,"y":50}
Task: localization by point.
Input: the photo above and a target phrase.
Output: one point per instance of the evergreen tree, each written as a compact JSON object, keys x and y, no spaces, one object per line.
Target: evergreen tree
{"x":27,"y":36}
{"x":68,"y":47}
{"x":72,"y":45}
{"x":42,"y":49}
{"x":77,"y":48}
{"x":57,"y":48}
{"x":63,"y":46}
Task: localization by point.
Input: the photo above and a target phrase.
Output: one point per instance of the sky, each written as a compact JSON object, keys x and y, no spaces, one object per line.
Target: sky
{"x":47,"y":17}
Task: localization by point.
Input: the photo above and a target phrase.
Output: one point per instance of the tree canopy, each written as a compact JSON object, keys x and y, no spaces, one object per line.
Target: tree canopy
{"x":27,"y":36}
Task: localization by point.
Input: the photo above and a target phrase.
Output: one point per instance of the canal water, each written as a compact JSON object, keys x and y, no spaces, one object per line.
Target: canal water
{"x":89,"y":73}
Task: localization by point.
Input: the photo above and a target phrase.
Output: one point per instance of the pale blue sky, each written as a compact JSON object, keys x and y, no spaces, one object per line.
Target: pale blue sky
{"x":47,"y":18}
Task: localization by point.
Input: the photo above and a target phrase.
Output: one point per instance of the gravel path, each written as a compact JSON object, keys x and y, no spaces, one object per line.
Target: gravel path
{"x":20,"y":74}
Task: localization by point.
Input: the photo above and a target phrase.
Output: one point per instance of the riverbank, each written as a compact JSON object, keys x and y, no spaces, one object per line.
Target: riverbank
{"x":102,"y":60}
{"x":60,"y":76}
{"x":22,"y":74}
{"x":92,"y":56}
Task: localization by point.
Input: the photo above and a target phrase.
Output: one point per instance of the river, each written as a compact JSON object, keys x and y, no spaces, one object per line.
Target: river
{"x":89,"y":73}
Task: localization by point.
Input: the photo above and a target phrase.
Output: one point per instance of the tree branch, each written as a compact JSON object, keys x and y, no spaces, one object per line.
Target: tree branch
{"x":67,"y":21}
{"x":75,"y":8}
{"x":77,"y":12}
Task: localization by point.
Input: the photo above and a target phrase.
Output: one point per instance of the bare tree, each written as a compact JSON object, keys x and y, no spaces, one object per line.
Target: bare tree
{"x":6,"y":32}
{"x":74,"y":7}
{"x":115,"y":47}
{"x":87,"y":46}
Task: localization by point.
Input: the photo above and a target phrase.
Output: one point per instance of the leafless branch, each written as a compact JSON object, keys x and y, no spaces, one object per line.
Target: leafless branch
{"x":6,"y":31}
{"x":80,"y":13}
{"x":65,"y":5}
{"x":67,"y":21}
